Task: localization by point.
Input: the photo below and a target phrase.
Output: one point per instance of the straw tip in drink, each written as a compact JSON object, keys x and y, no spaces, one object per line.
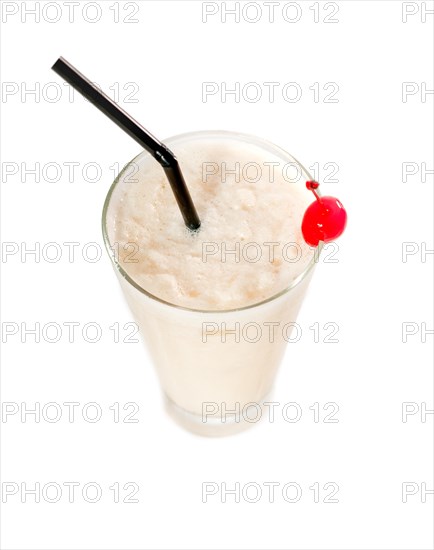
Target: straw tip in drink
{"x":194,"y":226}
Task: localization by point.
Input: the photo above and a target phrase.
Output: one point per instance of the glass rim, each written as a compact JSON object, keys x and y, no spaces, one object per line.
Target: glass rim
{"x":142,"y":290}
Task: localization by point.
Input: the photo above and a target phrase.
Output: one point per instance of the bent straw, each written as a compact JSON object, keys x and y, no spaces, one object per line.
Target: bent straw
{"x":159,"y":151}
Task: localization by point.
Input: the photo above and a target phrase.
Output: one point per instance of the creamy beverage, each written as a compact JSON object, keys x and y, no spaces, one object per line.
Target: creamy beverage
{"x":215,"y":306}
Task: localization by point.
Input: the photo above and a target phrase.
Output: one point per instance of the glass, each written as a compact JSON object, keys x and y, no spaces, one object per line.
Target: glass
{"x":216,"y":368}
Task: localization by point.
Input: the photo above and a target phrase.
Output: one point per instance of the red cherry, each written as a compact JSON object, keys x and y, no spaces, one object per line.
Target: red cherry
{"x":324,"y":220}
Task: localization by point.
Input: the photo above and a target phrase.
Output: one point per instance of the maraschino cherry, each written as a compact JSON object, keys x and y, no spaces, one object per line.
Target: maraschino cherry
{"x":324,"y":220}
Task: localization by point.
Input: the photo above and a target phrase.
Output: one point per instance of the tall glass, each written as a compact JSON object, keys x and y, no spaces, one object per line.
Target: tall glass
{"x":216,"y":368}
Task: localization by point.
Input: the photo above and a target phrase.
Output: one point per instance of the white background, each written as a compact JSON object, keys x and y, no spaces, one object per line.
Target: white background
{"x":370,"y":292}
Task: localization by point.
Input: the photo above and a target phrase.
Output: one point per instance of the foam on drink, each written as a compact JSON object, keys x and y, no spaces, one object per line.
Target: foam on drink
{"x":249,"y":247}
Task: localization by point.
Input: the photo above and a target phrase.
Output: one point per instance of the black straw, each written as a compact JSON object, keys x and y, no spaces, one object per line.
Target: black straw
{"x":159,"y":151}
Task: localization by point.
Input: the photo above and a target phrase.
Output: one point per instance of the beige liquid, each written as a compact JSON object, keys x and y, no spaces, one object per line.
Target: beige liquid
{"x":250,"y":197}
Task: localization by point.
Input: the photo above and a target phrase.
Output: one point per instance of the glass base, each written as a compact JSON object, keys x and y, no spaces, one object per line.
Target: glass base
{"x":214,"y":426}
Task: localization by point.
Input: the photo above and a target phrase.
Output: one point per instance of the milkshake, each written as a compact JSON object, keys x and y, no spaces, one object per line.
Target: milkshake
{"x":215,"y":306}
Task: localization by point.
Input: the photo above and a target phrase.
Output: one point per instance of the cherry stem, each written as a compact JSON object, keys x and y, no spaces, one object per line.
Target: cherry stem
{"x":318,"y":198}
{"x":312,"y":185}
